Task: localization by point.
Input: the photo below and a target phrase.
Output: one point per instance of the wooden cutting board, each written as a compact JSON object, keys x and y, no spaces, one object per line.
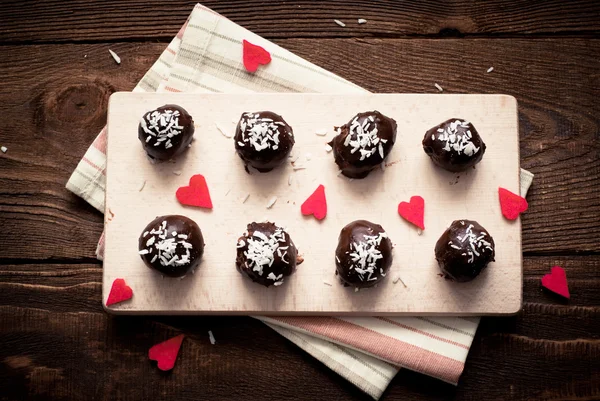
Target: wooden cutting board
{"x":217,"y":287}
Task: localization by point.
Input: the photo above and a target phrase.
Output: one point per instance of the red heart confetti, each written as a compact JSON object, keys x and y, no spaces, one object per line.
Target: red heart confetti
{"x":511,"y":204}
{"x":254,"y":55}
{"x":166,"y":352}
{"x":196,"y":194}
{"x":413,"y":211}
{"x":556,"y":281}
{"x":119,"y":292}
{"x":316,"y":204}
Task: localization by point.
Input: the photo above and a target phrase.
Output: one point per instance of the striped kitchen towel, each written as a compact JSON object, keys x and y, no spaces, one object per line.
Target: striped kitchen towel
{"x":205,"y":56}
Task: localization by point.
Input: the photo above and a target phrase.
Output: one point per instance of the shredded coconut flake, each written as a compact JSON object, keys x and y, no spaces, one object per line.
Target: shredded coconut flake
{"x":271,"y":202}
{"x":363,"y":138}
{"x":290,"y":179}
{"x":340,"y":23}
{"x":365,"y":254}
{"x":115,"y":56}
{"x":457,"y":138}
{"x":177,"y":172}
{"x":161,"y":126}
{"x":362,"y":21}
{"x":490,"y":69}
{"x":211,"y":337}
{"x":223,"y":131}
{"x":260,"y":132}
{"x":299,"y":167}
{"x":476,"y":244}
{"x":328,"y":148}
{"x":168,"y":250}
{"x":261,"y":251}
{"x":3,"y":149}
{"x":321,"y":132}
{"x":327,"y":283}
{"x":397,"y":278}
{"x":439,"y":87}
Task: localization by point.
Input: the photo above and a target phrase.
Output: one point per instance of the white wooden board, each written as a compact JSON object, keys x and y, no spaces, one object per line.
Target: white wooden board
{"x":217,"y":287}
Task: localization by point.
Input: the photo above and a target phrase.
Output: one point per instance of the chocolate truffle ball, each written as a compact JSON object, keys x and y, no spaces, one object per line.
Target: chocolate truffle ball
{"x":166,"y":132}
{"x":263,"y":140}
{"x":172,"y":244}
{"x":364,"y":254}
{"x":266,"y":254}
{"x":464,"y":250}
{"x":454,"y":145}
{"x":363,"y":143}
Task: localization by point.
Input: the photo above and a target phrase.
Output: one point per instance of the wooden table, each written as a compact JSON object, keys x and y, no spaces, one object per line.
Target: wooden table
{"x":56,"y":342}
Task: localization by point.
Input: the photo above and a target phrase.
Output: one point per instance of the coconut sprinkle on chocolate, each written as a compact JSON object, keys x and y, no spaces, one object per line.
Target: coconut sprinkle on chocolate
{"x":161,"y":127}
{"x":439,"y":87}
{"x":164,"y":246}
{"x":261,"y":250}
{"x":364,"y":139}
{"x":340,"y":23}
{"x":259,"y":132}
{"x":365,"y":255}
{"x":475,"y":245}
{"x":458,"y":138}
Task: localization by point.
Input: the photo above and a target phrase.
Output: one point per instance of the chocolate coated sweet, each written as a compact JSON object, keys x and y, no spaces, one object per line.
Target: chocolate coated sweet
{"x":454,"y":145}
{"x":364,"y":254}
{"x":166,"y":132}
{"x":263,"y":140}
{"x":464,"y":250}
{"x":266,"y":254}
{"x":363,"y":143}
{"x":172,"y":244}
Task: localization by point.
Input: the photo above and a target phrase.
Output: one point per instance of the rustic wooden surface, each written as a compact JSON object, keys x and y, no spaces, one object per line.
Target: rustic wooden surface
{"x":57,"y":343}
{"x":217,"y":287}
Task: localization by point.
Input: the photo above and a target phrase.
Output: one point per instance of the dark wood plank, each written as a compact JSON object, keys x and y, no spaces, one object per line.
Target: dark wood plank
{"x":56,"y":342}
{"x":79,"y":20}
{"x":62,"y":91}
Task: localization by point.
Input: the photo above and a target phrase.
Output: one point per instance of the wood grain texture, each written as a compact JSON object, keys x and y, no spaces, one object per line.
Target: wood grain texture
{"x":98,"y":20}
{"x":61,"y":98}
{"x":55,"y":341}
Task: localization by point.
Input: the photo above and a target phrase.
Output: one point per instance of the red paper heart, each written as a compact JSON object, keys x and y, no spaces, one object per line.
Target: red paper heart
{"x":196,"y":194}
{"x":413,"y":211}
{"x":511,"y":204}
{"x":166,"y":352}
{"x":119,"y":292}
{"x":254,"y":55}
{"x":316,"y":204}
{"x":556,"y":281}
